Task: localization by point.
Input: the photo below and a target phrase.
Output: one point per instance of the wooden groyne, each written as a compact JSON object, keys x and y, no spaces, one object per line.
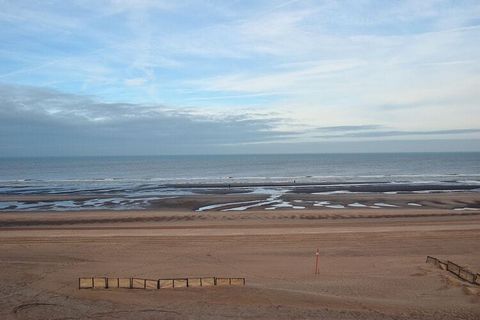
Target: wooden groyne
{"x":156,"y":284}
{"x":459,"y":271}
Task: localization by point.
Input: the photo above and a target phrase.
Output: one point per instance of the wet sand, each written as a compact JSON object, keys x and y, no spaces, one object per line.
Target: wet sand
{"x":278,"y":200}
{"x":372,"y":263}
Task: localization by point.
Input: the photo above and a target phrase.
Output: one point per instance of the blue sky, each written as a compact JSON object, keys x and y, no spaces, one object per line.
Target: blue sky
{"x":162,"y":77}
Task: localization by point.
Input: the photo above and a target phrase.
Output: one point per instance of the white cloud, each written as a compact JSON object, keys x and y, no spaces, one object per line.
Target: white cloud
{"x":278,"y":80}
{"x":407,"y":66}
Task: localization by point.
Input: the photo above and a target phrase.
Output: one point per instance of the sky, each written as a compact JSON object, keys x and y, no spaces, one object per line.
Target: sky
{"x":140,"y":77}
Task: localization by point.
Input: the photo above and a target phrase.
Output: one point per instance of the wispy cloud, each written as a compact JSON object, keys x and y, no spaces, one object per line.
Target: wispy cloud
{"x":397,"y":133}
{"x":409,"y":68}
{"x":278,"y":80}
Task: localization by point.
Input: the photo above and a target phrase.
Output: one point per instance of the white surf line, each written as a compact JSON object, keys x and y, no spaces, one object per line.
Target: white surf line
{"x":466,"y":209}
{"x":267,"y":191}
{"x":321,"y":203}
{"x":440,"y":191}
{"x":215,"y":206}
{"x":334,"y":192}
{"x":381,"y":204}
{"x":357,"y":205}
{"x":284,"y":204}
{"x":252,"y":206}
{"x":413,"y":204}
{"x":336,"y":206}
{"x":274,"y":195}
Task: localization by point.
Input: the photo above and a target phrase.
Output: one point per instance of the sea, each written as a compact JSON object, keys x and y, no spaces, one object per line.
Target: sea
{"x":141,"y":178}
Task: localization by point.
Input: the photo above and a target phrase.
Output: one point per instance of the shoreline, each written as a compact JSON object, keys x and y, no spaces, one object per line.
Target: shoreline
{"x":304,"y":197}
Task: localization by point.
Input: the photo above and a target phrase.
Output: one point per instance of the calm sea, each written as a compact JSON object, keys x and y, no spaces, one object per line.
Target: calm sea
{"x":39,"y":175}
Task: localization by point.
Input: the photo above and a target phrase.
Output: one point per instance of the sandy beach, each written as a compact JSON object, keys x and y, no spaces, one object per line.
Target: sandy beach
{"x":372,"y":261}
{"x":258,"y":160}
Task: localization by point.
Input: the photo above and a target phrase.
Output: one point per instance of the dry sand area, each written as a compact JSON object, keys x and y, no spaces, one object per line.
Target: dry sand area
{"x":370,"y":267}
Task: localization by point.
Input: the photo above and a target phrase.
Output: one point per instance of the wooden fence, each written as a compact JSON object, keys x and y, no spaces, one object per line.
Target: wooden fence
{"x":457,"y":270}
{"x":150,"y":284}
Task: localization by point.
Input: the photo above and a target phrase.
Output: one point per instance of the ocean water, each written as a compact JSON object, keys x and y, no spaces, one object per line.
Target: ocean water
{"x":109,"y":172}
{"x":132,"y":182}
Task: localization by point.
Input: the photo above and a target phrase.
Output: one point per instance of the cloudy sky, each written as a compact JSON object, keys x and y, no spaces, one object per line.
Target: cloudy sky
{"x":142,"y":77}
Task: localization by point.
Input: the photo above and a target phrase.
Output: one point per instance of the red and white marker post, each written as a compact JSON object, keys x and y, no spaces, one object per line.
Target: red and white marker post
{"x":317,"y":255}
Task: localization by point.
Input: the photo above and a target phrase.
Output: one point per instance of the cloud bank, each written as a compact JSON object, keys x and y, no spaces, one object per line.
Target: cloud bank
{"x":39,"y":121}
